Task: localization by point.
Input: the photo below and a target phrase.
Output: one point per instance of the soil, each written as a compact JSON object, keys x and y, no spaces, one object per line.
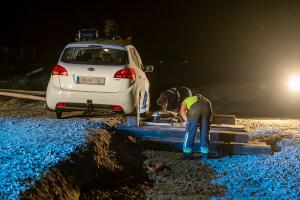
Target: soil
{"x":23,"y":108}
{"x":179,"y":178}
{"x":116,"y":166}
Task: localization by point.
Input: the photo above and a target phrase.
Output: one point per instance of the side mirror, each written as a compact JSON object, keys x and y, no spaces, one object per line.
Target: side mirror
{"x":148,"y":68}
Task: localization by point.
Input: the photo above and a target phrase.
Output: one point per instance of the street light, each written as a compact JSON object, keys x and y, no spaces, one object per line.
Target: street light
{"x":294,"y":83}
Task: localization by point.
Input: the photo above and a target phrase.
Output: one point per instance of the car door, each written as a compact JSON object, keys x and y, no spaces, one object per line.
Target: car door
{"x":141,"y":89}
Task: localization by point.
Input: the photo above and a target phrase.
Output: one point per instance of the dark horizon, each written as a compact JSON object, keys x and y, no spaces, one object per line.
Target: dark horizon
{"x":223,"y":41}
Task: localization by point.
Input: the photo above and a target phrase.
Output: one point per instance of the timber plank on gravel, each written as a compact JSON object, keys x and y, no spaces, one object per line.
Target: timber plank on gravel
{"x":164,"y":132}
{"x":228,"y":136}
{"x":22,"y":96}
{"x":223,"y":119}
{"x":220,"y":148}
{"x":224,"y":127}
{"x":242,"y":148}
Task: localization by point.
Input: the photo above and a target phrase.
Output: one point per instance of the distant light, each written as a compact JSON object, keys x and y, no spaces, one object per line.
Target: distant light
{"x":294,"y":83}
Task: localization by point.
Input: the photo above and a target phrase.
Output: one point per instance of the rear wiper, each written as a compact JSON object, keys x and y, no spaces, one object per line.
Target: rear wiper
{"x":96,"y":46}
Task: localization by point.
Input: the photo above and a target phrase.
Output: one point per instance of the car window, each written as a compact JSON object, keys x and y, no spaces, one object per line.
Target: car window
{"x":134,"y":57}
{"x":94,"y":55}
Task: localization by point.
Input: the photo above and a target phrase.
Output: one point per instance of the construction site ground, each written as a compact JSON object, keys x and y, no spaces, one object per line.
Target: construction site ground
{"x":117,"y":166}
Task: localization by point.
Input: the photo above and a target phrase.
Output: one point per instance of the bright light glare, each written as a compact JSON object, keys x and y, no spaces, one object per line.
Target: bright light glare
{"x":294,"y":83}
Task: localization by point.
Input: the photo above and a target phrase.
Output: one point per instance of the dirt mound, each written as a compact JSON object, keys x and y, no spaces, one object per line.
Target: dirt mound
{"x":110,"y":166}
{"x":130,"y":180}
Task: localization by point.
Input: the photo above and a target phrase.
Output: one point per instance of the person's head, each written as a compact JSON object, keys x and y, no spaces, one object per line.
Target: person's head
{"x":163,"y":102}
{"x":185,"y":92}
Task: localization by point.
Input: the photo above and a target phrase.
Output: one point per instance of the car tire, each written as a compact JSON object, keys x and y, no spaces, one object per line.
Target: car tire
{"x":138,"y":110}
{"x":58,"y":114}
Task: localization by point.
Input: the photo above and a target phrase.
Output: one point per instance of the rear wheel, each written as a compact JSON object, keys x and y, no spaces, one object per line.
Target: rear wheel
{"x":138,"y":111}
{"x":134,"y":118}
{"x":58,"y":114}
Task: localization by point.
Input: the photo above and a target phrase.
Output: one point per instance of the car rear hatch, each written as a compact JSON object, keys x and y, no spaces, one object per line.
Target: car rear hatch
{"x":91,"y":78}
{"x":92,"y":69}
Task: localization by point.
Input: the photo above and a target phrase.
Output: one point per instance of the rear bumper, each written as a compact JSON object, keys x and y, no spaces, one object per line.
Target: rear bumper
{"x":76,"y":100}
{"x":86,"y":107}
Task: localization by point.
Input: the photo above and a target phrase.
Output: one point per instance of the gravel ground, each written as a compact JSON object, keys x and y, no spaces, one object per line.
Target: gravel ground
{"x":274,"y":176}
{"x":233,"y":177}
{"x":30,"y":146}
{"x":263,"y":176}
{"x":23,"y":108}
{"x":178,"y":178}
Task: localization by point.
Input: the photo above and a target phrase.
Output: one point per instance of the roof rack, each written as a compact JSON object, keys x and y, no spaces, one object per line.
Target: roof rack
{"x":92,"y":35}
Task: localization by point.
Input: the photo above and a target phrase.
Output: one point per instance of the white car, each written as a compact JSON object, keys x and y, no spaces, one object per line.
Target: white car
{"x":92,"y":76}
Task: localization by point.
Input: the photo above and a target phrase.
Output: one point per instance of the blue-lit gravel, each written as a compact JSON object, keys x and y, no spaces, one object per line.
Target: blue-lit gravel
{"x":29,"y":147}
{"x":263,"y":176}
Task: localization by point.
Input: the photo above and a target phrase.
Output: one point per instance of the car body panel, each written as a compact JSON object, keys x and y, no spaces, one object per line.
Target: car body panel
{"x":75,"y":71}
{"x":116,"y":91}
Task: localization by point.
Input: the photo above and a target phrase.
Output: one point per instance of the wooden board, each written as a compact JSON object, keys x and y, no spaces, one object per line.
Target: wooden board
{"x":241,"y":148}
{"x":229,"y":136}
{"x":216,"y":118}
{"x":223,"y":119}
{"x":226,"y":127}
{"x":164,"y":132}
{"x":36,"y":93}
{"x":220,"y":148}
{"x":22,"y":96}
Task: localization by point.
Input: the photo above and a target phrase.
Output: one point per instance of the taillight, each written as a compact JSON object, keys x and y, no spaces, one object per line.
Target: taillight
{"x":117,"y":108}
{"x":61,"y":104}
{"x":59,"y":70}
{"x":127,"y":73}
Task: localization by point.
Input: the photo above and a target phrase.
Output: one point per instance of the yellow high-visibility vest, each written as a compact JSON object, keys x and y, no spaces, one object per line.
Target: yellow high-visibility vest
{"x":189,"y":101}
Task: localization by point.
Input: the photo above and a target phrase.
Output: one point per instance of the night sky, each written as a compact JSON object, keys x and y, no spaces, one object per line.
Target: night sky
{"x":223,"y":41}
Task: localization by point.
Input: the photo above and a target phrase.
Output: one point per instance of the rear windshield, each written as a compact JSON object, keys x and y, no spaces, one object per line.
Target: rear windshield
{"x":94,"y":55}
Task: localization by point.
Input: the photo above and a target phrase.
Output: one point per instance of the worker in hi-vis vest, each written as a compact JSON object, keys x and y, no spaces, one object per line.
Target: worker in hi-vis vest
{"x":172,"y":98}
{"x":196,"y":110}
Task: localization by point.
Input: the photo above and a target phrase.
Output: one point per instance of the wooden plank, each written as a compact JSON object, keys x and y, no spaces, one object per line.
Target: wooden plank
{"x":225,"y":127}
{"x":22,"y":96}
{"x":238,"y":128}
{"x":220,"y":148}
{"x":223,"y":119}
{"x":37,"y":93}
{"x":241,"y":148}
{"x":227,"y":136}
{"x":164,"y":132}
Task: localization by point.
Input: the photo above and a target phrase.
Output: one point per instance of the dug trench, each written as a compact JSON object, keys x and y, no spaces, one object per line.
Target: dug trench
{"x":114,"y":165}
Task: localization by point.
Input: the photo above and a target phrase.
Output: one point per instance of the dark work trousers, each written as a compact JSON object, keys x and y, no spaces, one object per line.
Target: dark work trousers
{"x":199,"y":114}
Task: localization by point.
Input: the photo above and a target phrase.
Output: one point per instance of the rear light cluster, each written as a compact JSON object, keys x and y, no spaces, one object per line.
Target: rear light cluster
{"x":127,"y":73}
{"x":61,"y":104}
{"x":59,"y":70}
{"x":117,"y":108}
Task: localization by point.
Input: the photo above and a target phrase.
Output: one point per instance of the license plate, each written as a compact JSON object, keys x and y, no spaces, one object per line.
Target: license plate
{"x":90,"y":80}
